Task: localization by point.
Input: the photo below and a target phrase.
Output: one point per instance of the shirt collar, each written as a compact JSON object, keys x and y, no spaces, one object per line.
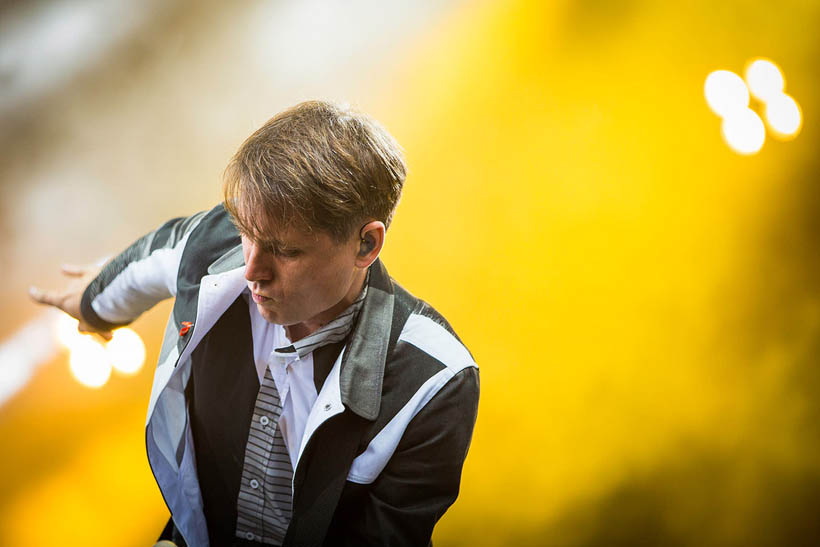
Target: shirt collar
{"x":365,"y":355}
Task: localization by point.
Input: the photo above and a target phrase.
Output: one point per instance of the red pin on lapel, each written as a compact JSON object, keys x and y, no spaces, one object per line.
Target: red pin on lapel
{"x":186,"y":326}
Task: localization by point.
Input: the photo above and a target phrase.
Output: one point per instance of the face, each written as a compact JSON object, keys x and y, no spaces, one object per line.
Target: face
{"x":298,"y":277}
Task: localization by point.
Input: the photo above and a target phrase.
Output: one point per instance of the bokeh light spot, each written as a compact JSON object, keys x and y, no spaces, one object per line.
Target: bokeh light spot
{"x":126,"y":351}
{"x":725,"y":92}
{"x":89,"y":362}
{"x":66,"y":330}
{"x":783,"y":116}
{"x":744,"y":131}
{"x":765,"y":79}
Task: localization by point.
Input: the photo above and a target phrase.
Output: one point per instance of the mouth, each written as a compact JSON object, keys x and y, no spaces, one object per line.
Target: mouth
{"x":259,"y":299}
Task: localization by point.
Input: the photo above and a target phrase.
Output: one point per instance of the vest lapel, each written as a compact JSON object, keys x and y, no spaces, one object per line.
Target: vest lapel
{"x":321,"y":476}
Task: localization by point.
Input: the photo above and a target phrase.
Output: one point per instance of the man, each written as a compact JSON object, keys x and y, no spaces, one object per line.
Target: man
{"x":302,"y":397}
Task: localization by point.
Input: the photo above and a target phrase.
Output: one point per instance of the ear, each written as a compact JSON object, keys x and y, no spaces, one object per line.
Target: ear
{"x":371,"y":241}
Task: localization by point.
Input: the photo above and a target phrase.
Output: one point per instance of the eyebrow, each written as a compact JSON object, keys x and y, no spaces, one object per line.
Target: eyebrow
{"x":270,"y":243}
{"x":274,"y":243}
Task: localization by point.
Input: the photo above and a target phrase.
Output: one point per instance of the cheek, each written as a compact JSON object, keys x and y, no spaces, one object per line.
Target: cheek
{"x":322,"y":284}
{"x":295,"y":282}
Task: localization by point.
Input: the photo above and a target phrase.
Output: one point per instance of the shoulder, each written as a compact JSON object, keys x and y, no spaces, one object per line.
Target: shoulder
{"x":213,"y":237}
{"x":429,"y":395}
{"x":426,"y":331}
{"x":214,"y":229}
{"x":426,"y":361}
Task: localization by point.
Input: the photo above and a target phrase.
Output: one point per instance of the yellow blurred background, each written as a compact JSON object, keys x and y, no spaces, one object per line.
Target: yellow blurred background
{"x":643,"y":302}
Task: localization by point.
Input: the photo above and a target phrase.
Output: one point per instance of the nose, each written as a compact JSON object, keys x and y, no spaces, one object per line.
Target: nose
{"x":257,"y":266}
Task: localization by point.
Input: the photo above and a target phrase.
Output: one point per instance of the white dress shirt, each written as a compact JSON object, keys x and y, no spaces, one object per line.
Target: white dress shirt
{"x":293,"y":376}
{"x":291,"y":365}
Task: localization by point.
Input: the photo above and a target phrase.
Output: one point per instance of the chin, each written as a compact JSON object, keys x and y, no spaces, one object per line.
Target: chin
{"x":268,"y":315}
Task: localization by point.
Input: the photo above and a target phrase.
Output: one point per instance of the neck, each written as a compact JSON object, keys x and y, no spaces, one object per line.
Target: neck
{"x":297,"y":331}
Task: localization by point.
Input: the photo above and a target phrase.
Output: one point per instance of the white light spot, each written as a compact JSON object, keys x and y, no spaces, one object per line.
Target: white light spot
{"x":783,"y":116}
{"x":23,"y":352}
{"x":126,"y":351}
{"x":725,"y":92}
{"x":66,"y":327}
{"x":89,"y":362}
{"x":765,"y":79}
{"x":744,"y":131}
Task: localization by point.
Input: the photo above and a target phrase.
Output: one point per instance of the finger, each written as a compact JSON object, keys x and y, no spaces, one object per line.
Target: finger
{"x":45,"y":297}
{"x":72,"y":270}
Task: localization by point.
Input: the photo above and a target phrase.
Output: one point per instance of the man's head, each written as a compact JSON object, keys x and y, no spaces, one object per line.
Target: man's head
{"x":317,"y":164}
{"x":312,"y":193}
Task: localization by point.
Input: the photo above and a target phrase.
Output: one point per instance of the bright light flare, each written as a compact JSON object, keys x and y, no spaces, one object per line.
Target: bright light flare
{"x":726,"y":92}
{"x":23,"y":352}
{"x":66,"y":327}
{"x":89,"y":362}
{"x":783,"y":116}
{"x":765,"y":79}
{"x":126,"y":351}
{"x":744,"y":131}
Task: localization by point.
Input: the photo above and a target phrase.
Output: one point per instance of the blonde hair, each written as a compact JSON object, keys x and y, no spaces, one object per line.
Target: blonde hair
{"x":319,"y":164}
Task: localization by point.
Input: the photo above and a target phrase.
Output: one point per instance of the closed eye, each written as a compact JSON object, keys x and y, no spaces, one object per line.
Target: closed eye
{"x":284,"y":252}
{"x":273,"y":247}
{"x":288,"y":253}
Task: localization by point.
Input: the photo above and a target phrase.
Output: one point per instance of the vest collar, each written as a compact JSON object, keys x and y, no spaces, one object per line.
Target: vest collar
{"x":362,"y":368}
{"x":228,"y":261}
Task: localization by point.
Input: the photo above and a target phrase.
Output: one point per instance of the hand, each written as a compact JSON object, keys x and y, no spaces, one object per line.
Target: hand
{"x":69,"y":299}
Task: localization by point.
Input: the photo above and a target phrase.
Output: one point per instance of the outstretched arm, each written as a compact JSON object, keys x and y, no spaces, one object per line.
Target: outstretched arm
{"x":129,"y":284}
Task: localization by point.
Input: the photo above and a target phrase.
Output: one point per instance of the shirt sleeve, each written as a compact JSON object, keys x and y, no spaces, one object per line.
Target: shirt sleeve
{"x":138,"y":278}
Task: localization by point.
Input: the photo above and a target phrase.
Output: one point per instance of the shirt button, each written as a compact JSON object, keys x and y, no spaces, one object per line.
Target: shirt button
{"x":264,"y":420}
{"x":249,"y":535}
{"x":254,"y":484}
{"x":327,"y":407}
